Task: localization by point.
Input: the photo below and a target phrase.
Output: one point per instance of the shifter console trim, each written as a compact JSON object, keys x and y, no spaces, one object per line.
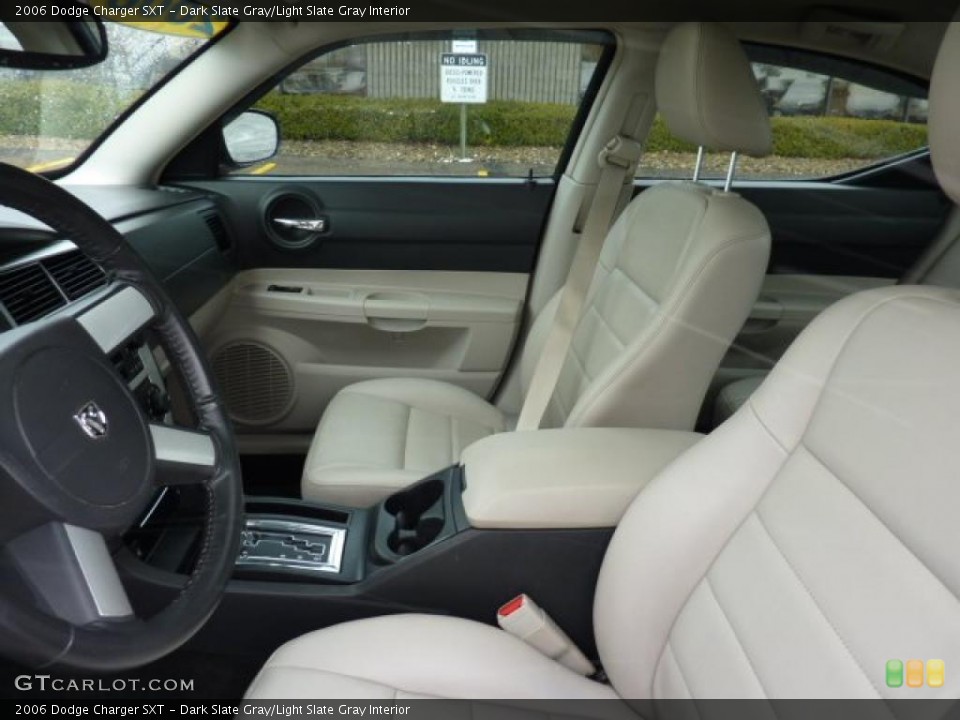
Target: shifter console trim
{"x":284,"y":544}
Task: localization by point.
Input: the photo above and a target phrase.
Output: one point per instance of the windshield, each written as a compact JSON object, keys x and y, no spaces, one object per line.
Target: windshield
{"x":49,"y":117}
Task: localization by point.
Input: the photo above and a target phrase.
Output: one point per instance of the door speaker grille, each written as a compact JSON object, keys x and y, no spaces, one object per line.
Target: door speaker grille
{"x":256,"y":383}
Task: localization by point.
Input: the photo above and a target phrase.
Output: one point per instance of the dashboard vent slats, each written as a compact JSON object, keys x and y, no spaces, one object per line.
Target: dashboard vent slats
{"x":75,"y":273}
{"x":28,"y":293}
{"x":33,"y":291}
{"x":217,"y":229}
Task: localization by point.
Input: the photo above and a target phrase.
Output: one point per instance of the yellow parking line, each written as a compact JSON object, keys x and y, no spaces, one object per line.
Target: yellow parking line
{"x":40,"y":167}
{"x":263,"y":169}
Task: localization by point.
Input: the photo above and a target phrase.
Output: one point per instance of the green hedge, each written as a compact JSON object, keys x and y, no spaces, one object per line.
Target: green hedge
{"x":835,"y":137}
{"x":823,"y":138}
{"x":507,"y":123}
{"x":60,"y":108}
{"x":498,"y":123}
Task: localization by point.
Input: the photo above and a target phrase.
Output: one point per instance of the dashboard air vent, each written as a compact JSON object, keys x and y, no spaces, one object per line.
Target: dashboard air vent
{"x":28,"y":293}
{"x":217,"y":229}
{"x":75,"y":273}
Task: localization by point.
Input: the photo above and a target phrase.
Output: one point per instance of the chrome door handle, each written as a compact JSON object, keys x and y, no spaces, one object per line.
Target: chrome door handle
{"x":317,"y":225}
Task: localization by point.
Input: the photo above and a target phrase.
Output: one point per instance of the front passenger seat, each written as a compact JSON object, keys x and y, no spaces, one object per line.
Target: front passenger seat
{"x":679,"y":272}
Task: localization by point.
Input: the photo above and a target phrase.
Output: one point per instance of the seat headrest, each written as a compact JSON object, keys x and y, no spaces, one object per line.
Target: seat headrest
{"x":943,"y":122}
{"x":707,"y":93}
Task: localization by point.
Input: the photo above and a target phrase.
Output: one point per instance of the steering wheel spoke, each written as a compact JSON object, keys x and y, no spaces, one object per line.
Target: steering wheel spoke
{"x":71,"y":571}
{"x":183,"y":456}
{"x":116,"y":319}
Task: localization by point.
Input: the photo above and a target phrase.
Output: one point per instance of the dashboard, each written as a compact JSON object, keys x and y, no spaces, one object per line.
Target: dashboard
{"x":180,"y":235}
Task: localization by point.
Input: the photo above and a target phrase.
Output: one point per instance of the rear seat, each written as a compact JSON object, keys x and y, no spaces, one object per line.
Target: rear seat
{"x":939,"y":265}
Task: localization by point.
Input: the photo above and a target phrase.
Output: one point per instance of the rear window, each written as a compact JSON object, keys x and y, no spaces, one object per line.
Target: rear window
{"x":828,"y":121}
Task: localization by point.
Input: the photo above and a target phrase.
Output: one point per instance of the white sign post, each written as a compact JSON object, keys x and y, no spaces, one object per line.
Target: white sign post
{"x":463,"y":79}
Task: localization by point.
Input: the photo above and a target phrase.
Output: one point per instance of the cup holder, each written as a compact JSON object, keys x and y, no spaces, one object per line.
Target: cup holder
{"x":417,"y":517}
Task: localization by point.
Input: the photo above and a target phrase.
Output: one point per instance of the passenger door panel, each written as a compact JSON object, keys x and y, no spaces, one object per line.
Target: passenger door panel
{"x":420,"y":278}
{"x":486,"y":225}
{"x":839,"y":229}
{"x":345,"y":326}
{"x":830,"y":239}
{"x":786,"y":305}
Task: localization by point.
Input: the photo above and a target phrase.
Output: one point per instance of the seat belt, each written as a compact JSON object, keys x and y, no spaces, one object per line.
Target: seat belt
{"x":618,"y":161}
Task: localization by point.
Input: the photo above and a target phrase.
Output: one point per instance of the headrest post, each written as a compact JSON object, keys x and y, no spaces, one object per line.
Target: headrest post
{"x":699,"y":166}
{"x":731,"y":171}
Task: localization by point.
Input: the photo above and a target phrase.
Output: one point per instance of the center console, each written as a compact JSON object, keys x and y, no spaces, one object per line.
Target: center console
{"x":525,"y":512}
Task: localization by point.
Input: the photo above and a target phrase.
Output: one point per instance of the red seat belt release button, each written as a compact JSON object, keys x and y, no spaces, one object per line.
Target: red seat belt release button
{"x":523,"y":618}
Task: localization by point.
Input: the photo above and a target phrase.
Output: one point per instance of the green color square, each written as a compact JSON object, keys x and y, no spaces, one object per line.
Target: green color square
{"x":894,"y":673}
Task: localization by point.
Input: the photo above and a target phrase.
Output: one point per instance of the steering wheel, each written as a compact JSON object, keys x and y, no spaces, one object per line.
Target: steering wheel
{"x":80,"y":460}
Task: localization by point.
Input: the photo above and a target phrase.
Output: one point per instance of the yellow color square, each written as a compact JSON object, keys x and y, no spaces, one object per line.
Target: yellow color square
{"x":935,"y":673}
{"x":914,"y":673}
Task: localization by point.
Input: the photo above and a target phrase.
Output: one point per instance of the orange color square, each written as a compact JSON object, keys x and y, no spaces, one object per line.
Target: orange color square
{"x":914,"y":673}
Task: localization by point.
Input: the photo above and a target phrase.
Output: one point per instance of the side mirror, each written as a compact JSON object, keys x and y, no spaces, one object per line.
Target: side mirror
{"x":251,"y":137}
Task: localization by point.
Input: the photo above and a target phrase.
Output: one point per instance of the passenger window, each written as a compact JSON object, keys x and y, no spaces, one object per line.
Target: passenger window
{"x":477,"y":105}
{"x":826,"y":122}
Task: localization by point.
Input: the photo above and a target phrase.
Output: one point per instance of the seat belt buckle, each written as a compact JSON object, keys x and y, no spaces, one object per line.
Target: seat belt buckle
{"x":622,"y":152}
{"x":523,"y":618}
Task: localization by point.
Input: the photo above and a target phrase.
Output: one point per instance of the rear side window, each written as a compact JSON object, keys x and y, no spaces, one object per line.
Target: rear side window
{"x":474,"y":104}
{"x":829,"y":117}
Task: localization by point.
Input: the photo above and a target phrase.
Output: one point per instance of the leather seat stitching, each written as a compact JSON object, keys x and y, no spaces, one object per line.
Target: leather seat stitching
{"x":644,"y":296}
{"x":813,"y":599}
{"x":724,"y":546}
{"x":659,"y":324}
{"x":753,"y":668}
{"x":683,"y":677}
{"x":828,"y":376}
{"x":883,"y":523}
{"x":657,"y":320}
{"x":603,"y":321}
{"x":766,"y":429}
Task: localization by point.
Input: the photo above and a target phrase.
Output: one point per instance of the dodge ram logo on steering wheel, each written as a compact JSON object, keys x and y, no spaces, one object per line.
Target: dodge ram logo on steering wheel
{"x":92,"y":421}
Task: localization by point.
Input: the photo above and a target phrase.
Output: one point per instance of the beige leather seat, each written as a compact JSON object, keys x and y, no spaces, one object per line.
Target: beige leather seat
{"x":790,"y":554}
{"x":939,"y":265}
{"x":678,"y":274}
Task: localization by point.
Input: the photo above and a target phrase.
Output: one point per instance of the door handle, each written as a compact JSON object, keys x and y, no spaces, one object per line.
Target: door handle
{"x":765,"y":314}
{"x":396,"y":311}
{"x":314,"y":225}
